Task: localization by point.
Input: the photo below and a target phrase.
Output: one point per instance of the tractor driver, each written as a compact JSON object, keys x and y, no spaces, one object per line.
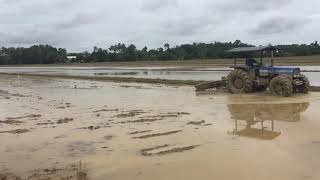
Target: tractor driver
{"x":251,"y":62}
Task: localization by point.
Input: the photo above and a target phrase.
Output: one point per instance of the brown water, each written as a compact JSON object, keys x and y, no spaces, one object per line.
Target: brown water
{"x":172,"y":73}
{"x":138,"y":131}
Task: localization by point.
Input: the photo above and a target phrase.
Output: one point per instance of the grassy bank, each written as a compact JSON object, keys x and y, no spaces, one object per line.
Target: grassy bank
{"x":295,"y":61}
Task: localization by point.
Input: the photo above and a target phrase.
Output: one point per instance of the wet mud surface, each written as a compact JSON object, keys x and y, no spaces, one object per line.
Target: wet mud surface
{"x":130,"y":131}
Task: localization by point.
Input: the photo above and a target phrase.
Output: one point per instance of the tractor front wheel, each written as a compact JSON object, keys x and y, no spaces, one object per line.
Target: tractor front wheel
{"x":281,"y":86}
{"x":239,"y":82}
{"x":306,"y":85}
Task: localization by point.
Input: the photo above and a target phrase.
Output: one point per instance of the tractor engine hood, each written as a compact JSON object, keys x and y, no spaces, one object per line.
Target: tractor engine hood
{"x":286,"y":70}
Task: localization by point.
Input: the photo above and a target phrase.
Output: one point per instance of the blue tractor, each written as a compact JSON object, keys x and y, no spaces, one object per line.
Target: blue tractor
{"x":255,"y":76}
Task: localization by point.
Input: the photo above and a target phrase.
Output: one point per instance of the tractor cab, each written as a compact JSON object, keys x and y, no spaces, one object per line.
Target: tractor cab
{"x":251,"y":62}
{"x":254,"y":75}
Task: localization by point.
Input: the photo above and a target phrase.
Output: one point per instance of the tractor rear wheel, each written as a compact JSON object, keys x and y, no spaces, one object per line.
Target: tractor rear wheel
{"x":239,"y":82}
{"x":306,"y":85}
{"x":281,"y":86}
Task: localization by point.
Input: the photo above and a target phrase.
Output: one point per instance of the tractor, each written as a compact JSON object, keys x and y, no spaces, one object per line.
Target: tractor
{"x":255,"y":76}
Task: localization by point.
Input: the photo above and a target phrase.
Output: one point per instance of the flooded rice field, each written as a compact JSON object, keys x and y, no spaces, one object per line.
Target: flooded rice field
{"x":171,"y":73}
{"x":60,"y":128}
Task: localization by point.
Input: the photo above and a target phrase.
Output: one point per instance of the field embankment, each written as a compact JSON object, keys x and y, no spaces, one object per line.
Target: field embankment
{"x":286,"y":61}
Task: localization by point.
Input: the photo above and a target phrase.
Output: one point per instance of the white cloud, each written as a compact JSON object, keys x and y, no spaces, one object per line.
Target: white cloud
{"x":80,"y":25}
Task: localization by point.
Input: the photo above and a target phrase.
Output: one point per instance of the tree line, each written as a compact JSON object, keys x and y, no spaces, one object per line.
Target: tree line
{"x":46,"y":54}
{"x":39,"y":54}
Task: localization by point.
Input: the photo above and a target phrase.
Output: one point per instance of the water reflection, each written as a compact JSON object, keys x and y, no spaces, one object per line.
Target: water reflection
{"x":258,"y":120}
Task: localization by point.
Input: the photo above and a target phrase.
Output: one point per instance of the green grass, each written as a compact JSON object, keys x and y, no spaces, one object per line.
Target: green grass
{"x":81,"y":171}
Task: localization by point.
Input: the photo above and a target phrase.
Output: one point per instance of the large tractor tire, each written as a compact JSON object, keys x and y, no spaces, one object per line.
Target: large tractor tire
{"x":306,"y":85}
{"x":239,"y":81}
{"x":281,"y":86}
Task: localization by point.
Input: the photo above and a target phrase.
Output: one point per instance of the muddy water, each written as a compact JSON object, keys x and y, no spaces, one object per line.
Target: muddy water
{"x":137,"y":131}
{"x":176,"y":73}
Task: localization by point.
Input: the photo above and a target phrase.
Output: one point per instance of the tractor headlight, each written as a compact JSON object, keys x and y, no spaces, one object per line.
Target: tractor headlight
{"x":296,"y":73}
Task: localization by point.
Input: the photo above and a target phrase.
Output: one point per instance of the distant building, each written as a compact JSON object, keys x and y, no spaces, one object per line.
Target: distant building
{"x":71,"y":57}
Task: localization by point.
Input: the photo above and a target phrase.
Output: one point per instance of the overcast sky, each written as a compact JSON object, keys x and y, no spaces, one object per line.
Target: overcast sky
{"x":79,"y":25}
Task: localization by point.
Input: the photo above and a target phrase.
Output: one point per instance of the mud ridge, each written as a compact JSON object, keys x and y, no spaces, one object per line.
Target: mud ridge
{"x":196,"y":123}
{"x":64,"y":121}
{"x":64,"y":106}
{"x":91,"y":127}
{"x":7,"y":94}
{"x":127,"y":114}
{"x":106,"y":110}
{"x":16,"y":131}
{"x":176,"y":150}
{"x":157,"y":134}
{"x":69,"y":172}
{"x":45,"y":123}
{"x":143,"y":120}
{"x":139,"y":132}
{"x":23,"y":117}
{"x":145,"y":152}
{"x":136,"y":87}
{"x":158,"y":117}
{"x":167,"y":115}
{"x":11,"y":122}
{"x":9,"y":176}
